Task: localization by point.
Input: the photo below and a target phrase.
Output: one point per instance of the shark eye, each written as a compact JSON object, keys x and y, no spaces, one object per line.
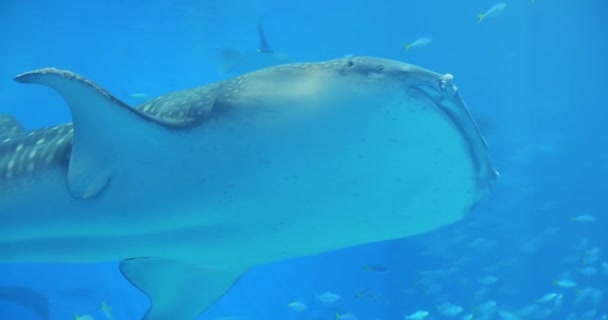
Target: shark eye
{"x":350,"y":64}
{"x":379,"y":68}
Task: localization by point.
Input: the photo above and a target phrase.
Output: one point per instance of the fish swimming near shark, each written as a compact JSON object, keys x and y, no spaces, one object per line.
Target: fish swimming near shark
{"x":234,"y":61}
{"x":192,"y":189}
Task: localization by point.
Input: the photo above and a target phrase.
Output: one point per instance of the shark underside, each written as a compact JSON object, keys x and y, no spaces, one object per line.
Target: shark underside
{"x":193,"y":188}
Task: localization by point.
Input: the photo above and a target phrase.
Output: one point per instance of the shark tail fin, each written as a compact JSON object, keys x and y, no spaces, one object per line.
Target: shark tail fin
{"x":480,"y":18}
{"x":34,"y":301}
{"x":9,"y":126}
{"x":177,"y":289}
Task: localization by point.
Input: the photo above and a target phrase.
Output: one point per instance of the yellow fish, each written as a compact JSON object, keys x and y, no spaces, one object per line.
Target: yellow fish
{"x":419,"y":43}
{"x":492,"y":12}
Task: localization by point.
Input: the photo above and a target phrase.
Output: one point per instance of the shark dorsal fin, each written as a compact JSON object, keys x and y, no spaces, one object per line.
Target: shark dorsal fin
{"x":106,"y":129}
{"x":9,"y":126}
{"x":264,"y":47}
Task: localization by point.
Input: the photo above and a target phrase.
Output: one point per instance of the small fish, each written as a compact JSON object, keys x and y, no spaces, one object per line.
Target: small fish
{"x":564,"y":283}
{"x":592,"y":295}
{"x":139,"y":95}
{"x":345,"y":316}
{"x":449,"y":309}
{"x":503,"y":315}
{"x":297,"y":306}
{"x":587,"y":270}
{"x":418,"y":315}
{"x":375,"y":268}
{"x":584,"y":218}
{"x":558,"y":302}
{"x":84,"y":317}
{"x":419,"y":43}
{"x":593,"y":251}
{"x":366,"y":294}
{"x":547,"y":298}
{"x":531,"y":311}
{"x":487,"y":307}
{"x":107,"y":311}
{"x":492,"y":12}
{"x":328,"y":297}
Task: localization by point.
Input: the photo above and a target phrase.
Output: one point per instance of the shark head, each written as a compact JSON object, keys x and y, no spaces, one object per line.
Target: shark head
{"x":193,"y":188}
{"x":368,"y":86}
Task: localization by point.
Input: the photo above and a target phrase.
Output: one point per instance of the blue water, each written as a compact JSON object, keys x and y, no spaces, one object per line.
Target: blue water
{"x":535,"y":77}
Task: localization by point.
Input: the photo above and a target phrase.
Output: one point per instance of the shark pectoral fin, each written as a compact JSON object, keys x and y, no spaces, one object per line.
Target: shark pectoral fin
{"x":30,"y":299}
{"x":177,"y":290}
{"x":9,"y":126}
{"x":105,"y":128}
{"x":229,"y":57}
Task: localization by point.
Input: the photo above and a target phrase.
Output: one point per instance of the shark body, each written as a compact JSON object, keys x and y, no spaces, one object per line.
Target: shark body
{"x":192,"y":189}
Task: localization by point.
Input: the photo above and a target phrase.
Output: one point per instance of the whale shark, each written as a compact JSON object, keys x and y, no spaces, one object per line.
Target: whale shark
{"x":192,"y":189}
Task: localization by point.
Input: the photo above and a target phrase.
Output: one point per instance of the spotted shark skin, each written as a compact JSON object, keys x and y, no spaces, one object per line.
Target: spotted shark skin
{"x":10,"y":126}
{"x":193,"y":188}
{"x":34,"y":151}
